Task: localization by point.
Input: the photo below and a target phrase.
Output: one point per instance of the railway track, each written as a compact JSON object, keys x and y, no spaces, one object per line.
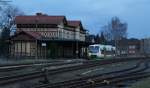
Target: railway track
{"x":29,"y":71}
{"x":119,"y":82}
{"x":114,"y":80}
{"x":37,"y":74}
{"x":34,"y":74}
{"x":13,"y":67}
{"x":101,"y":80}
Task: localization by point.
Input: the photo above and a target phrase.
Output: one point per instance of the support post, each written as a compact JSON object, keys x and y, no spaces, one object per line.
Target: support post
{"x":17,"y":51}
{"x":9,"y":50}
{"x":21,"y":49}
{"x":77,"y":49}
{"x":14,"y":49}
{"x":63,"y":50}
{"x":45,"y":52}
{"x":40,"y":52}
{"x":36,"y":51}
{"x":30,"y":49}
{"x":72,"y":49}
{"x":25,"y":54}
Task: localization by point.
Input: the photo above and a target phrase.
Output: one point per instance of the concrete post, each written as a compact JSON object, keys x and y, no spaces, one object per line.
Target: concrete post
{"x":36,"y":50}
{"x":77,"y":49}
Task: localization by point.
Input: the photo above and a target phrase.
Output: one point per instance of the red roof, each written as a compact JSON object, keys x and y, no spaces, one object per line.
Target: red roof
{"x":74,"y":23}
{"x":41,"y":19}
{"x":46,"y":19}
{"x":34,"y":34}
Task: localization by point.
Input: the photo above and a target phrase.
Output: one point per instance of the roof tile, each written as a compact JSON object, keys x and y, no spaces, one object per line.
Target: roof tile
{"x":74,"y":23}
{"x":43,"y":19}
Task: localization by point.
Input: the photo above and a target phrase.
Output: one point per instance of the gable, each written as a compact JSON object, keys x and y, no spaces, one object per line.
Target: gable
{"x":22,"y":36}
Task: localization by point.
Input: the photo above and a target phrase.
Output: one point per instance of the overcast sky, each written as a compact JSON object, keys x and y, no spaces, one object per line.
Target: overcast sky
{"x":95,"y":13}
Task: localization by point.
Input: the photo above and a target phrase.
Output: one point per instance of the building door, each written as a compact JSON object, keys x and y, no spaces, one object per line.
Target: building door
{"x":52,"y":50}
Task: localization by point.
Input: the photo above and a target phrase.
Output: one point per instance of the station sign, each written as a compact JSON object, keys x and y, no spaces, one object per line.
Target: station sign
{"x":43,"y":44}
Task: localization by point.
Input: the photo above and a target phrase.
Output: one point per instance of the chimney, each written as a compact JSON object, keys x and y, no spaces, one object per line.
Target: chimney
{"x":39,"y":14}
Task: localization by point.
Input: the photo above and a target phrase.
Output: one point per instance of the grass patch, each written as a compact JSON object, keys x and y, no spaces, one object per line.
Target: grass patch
{"x":142,"y":84}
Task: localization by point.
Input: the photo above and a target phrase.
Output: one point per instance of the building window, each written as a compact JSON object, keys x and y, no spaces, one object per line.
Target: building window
{"x":132,"y":47}
{"x":123,"y":52}
{"x":18,"y":25}
{"x":132,"y":52}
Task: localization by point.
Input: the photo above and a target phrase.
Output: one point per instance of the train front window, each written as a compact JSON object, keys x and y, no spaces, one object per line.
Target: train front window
{"x":93,"y":49}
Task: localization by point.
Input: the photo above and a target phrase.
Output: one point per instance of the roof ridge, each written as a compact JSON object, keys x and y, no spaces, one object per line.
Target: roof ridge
{"x":41,"y":16}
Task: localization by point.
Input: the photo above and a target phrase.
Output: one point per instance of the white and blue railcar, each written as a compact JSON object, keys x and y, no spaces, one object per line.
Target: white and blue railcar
{"x":101,"y":51}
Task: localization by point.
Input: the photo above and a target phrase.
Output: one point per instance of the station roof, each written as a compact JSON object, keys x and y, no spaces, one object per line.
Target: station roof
{"x":74,"y":23}
{"x":28,"y":36}
{"x":42,"y":19}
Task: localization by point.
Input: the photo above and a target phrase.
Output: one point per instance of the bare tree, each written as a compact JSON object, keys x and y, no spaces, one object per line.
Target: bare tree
{"x":118,"y":29}
{"x":107,"y":33}
{"x":115,"y":30}
{"x":7,"y":16}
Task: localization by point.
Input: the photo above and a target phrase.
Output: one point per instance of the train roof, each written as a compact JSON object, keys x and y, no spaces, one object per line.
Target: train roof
{"x":108,"y":47}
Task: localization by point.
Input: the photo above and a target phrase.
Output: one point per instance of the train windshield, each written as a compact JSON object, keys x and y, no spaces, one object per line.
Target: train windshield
{"x":93,"y":49}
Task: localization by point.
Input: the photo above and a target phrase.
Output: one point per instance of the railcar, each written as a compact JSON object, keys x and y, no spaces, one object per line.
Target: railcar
{"x":101,"y":51}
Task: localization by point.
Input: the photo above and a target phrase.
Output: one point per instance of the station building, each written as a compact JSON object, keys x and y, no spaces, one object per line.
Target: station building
{"x":44,"y":36}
